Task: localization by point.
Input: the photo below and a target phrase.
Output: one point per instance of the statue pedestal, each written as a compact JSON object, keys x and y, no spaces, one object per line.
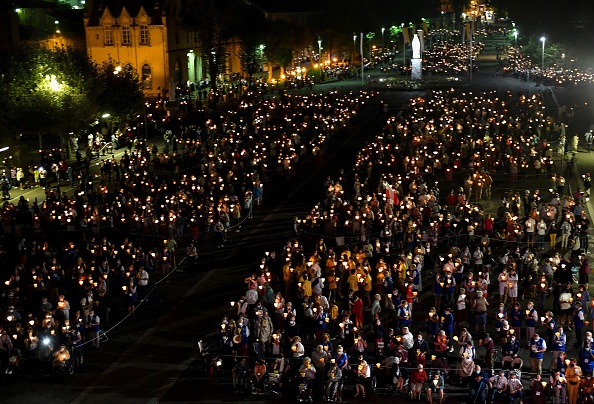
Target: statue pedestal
{"x":417,"y":70}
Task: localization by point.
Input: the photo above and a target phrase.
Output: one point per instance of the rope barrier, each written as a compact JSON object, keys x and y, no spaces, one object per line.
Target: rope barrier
{"x":131,"y":313}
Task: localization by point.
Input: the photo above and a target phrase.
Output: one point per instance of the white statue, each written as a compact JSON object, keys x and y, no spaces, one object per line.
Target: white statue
{"x":416,"y":46}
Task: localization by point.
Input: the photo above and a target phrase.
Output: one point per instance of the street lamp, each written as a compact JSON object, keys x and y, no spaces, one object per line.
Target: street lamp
{"x":403,"y":47}
{"x":543,"y":40}
{"x":320,"y":49}
{"x":354,"y":49}
{"x":382,"y":53}
{"x":515,"y":38}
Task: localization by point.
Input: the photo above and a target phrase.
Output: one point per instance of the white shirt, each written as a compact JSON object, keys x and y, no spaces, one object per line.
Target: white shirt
{"x":499,"y":382}
{"x":407,"y":341}
{"x":514,"y":385}
{"x":530,"y":225}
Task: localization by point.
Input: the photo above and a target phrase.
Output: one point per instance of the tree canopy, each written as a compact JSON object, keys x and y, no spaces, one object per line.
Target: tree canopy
{"x":61,"y":90}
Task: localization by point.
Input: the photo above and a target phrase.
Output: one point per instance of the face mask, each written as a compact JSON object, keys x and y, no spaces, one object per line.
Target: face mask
{"x":419,"y":339}
{"x":292,"y":322}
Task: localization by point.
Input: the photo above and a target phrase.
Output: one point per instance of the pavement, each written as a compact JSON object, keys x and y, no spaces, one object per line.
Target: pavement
{"x":153,"y":357}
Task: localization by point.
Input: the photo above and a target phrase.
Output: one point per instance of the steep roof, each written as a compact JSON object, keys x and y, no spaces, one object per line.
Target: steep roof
{"x":95,"y":9}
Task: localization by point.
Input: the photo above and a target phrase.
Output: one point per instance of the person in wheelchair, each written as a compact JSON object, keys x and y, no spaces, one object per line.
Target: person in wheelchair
{"x":308,"y":372}
{"x":61,"y":359}
{"x":478,"y":388}
{"x":587,"y":389}
{"x":497,"y":385}
{"x":418,"y":378}
{"x":515,"y":388}
{"x":558,"y":387}
{"x":241,"y":372}
{"x":363,"y":377}
{"x":259,"y":376}
{"x":510,"y":359}
{"x":398,"y":374}
{"x":334,"y":378}
{"x":436,"y":384}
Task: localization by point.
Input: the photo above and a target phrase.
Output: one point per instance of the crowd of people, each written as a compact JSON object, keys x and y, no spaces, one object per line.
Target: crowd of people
{"x":349,"y":294}
{"x":77,"y":256}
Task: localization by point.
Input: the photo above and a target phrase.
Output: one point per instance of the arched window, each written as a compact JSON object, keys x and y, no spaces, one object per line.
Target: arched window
{"x":147,"y":78}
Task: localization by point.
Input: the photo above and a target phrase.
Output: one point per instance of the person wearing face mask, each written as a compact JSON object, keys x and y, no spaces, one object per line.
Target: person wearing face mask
{"x":573,"y":375}
{"x":297,"y":348}
{"x":515,"y":388}
{"x":538,"y":347}
{"x":244,"y":331}
{"x":586,"y":359}
{"x":531,"y":318}
{"x":559,"y":345}
{"x":538,"y":390}
{"x":510,"y":353}
{"x":549,"y":324}
{"x":559,"y":386}
{"x":587,"y":388}
{"x":419,"y":350}
{"x":579,"y":323}
{"x":447,"y":325}
{"x":341,"y":359}
{"x":466,"y":366}
{"x":291,"y":328}
{"x":516,"y":319}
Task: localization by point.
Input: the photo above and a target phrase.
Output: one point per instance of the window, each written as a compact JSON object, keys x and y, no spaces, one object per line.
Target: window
{"x":126,"y":35}
{"x":147,"y":79}
{"x":108,"y":35}
{"x":144,"y":35}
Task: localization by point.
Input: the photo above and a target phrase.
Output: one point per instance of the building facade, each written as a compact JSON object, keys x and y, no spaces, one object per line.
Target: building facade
{"x":149,"y":35}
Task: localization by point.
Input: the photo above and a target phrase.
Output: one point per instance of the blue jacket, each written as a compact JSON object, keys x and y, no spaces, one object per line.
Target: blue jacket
{"x":559,"y":342}
{"x":539,"y":344}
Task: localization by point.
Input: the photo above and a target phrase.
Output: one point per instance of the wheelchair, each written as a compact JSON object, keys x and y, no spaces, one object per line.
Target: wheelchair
{"x":62,"y":365}
{"x":272,"y":385}
{"x":333,"y":392}
{"x":13,"y":367}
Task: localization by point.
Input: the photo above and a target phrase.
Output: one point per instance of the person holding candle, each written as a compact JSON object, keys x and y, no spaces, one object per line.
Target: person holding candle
{"x":515,"y":388}
{"x":334,"y":376}
{"x":93,"y":327}
{"x":497,"y":385}
{"x":538,"y":387}
{"x":531,"y":318}
{"x":512,"y":285}
{"x":559,"y":386}
{"x":436,"y":384}
{"x":510,"y":353}
{"x":503,"y":285}
{"x":573,"y":375}
{"x":586,"y":358}
{"x":579,"y":323}
{"x":538,"y":347}
{"x":259,"y":376}
{"x":297,"y":348}
{"x":467,"y":356}
{"x":480,"y":305}
{"x":363,"y":375}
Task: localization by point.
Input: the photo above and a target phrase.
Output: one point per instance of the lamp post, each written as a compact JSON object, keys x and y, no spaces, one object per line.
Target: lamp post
{"x":320,"y":49}
{"x":403,"y":47}
{"x":515,"y":38}
{"x":543,"y":40}
{"x":354,"y":49}
{"x":382,"y":52}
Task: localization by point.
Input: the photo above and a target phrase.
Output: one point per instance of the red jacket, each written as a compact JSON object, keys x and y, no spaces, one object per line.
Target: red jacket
{"x":419,"y":376}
